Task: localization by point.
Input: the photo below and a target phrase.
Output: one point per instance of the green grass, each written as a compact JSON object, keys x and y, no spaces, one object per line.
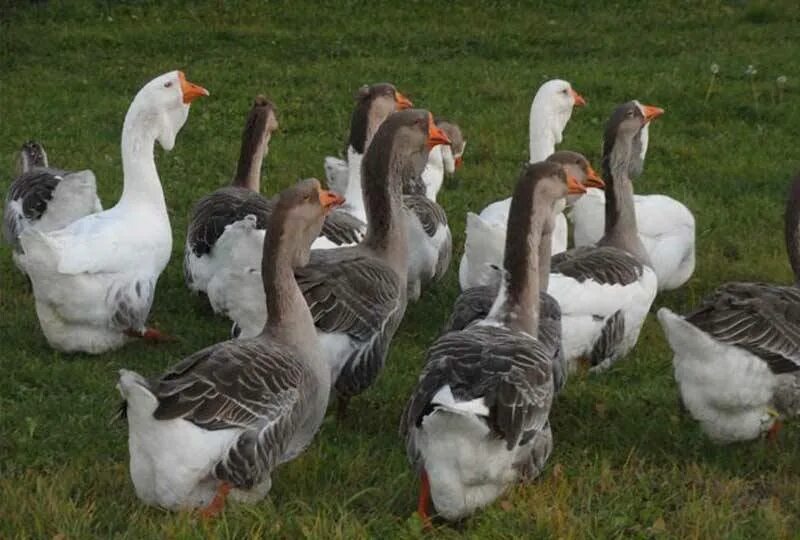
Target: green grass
{"x":626,"y":462}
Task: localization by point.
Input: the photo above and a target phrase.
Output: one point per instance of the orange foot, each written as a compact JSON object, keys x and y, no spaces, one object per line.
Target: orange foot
{"x":424,"y":500}
{"x":150,"y":334}
{"x":218,"y":504}
{"x":772,"y":434}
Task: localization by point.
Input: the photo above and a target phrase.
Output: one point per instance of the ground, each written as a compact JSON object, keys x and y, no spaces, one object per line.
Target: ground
{"x":627,"y":462}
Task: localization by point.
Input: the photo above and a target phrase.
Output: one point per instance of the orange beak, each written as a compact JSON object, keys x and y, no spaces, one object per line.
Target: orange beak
{"x":402,"y":102}
{"x":593,"y":179}
{"x":435,"y":135}
{"x":190,"y":90}
{"x":330,"y":200}
{"x":574,"y":187}
{"x":579,"y":101}
{"x":651,"y":113}
{"x":459,"y":161}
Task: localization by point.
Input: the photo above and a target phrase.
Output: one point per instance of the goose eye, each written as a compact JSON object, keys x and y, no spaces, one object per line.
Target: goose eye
{"x":168,"y":84}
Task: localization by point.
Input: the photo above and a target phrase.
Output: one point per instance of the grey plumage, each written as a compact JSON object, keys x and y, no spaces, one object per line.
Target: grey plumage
{"x":603,"y":264}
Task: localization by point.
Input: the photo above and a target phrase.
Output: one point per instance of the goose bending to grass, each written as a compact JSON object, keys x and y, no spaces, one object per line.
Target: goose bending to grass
{"x":485,"y":241}
{"x":218,"y":217}
{"x":605,"y":292}
{"x":731,"y":352}
{"x":374,"y":103}
{"x":357,"y":294}
{"x":223,"y":419}
{"x":45,"y":199}
{"x":666,"y":228}
{"x":95,"y":279}
{"x":550,"y":111}
{"x":478,"y":419}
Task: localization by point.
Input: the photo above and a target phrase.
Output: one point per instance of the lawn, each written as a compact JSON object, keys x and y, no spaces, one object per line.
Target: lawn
{"x":626,"y":463}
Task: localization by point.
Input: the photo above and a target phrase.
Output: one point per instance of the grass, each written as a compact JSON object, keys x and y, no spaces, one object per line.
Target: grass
{"x":626,"y":462}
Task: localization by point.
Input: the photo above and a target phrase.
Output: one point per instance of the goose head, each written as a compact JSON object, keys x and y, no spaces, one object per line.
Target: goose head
{"x":550,"y":111}
{"x":31,"y":155}
{"x":452,"y":155}
{"x":579,"y":168}
{"x":374,"y":103}
{"x":299,"y":215}
{"x":163,"y":105}
{"x":261,"y":122}
{"x":623,"y":134}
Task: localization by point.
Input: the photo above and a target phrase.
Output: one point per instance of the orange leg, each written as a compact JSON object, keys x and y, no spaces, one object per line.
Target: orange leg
{"x":772,"y":434}
{"x":218,"y":504}
{"x":150,"y":334}
{"x":424,"y":500}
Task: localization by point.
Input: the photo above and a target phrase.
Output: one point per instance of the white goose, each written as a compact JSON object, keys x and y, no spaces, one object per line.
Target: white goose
{"x":666,"y":229}
{"x":443,"y":158}
{"x":605,"y":292}
{"x":45,"y":199}
{"x":731,"y":352}
{"x":550,"y":111}
{"x":95,"y":279}
{"x":478,"y":419}
{"x":225,"y":417}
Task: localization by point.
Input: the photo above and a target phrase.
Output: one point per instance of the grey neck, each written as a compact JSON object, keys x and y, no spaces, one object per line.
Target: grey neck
{"x":386,"y":229}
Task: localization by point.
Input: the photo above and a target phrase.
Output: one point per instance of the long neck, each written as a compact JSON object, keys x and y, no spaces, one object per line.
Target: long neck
{"x":620,"y":226}
{"x":386,"y":228}
{"x":287,"y":312}
{"x":141,"y":185}
{"x":545,"y":252}
{"x":791,"y":233}
{"x":517,"y":303}
{"x":433,"y":175}
{"x":251,"y":159}
{"x":543,"y":134}
{"x":353,"y":195}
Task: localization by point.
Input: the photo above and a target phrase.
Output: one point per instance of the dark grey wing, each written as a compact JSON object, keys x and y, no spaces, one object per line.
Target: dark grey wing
{"x":603,"y":264}
{"x":352,"y":293}
{"x":342,"y":228}
{"x":27,"y":199}
{"x":219,"y":209}
{"x":429,"y":213}
{"x":471,"y":305}
{"x":760,"y":318}
{"x":510,"y":371}
{"x":253,"y":385}
{"x":550,"y":336}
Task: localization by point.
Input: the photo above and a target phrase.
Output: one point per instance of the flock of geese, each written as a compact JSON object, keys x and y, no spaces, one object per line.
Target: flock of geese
{"x":317,"y":283}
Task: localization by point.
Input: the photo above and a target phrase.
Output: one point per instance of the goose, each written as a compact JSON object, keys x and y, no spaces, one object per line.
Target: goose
{"x":223,"y":419}
{"x":666,"y":229}
{"x":478,"y":418}
{"x":374,"y":103}
{"x":430,"y":243}
{"x":44,"y":198}
{"x":551,"y":109}
{"x":605,"y":291}
{"x":734,"y":354}
{"x":443,"y":158}
{"x":485,"y":241}
{"x":95,"y":279}
{"x":357,"y":294}
{"x":214,"y":219}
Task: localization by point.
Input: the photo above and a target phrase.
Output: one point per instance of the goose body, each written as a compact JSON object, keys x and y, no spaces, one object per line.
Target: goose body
{"x":478,"y":419}
{"x":550,"y":111}
{"x":225,"y":417}
{"x":45,"y":199}
{"x":734,"y":355}
{"x":666,"y":229}
{"x":95,"y":279}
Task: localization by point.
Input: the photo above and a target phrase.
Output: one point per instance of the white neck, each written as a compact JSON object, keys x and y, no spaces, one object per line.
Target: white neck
{"x":433,"y":175}
{"x":141,"y":187}
{"x":353,"y":194}
{"x":545,"y":130}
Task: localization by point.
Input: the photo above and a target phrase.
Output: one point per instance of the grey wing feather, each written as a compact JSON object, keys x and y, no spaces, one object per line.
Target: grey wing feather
{"x":472,"y":305}
{"x":342,"y":228}
{"x":354,"y":294}
{"x":31,"y":192}
{"x":254,"y":385}
{"x":760,"y":318}
{"x":219,"y":209}
{"x":603,"y":264}
{"x":430,"y":214}
{"x":511,"y":372}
